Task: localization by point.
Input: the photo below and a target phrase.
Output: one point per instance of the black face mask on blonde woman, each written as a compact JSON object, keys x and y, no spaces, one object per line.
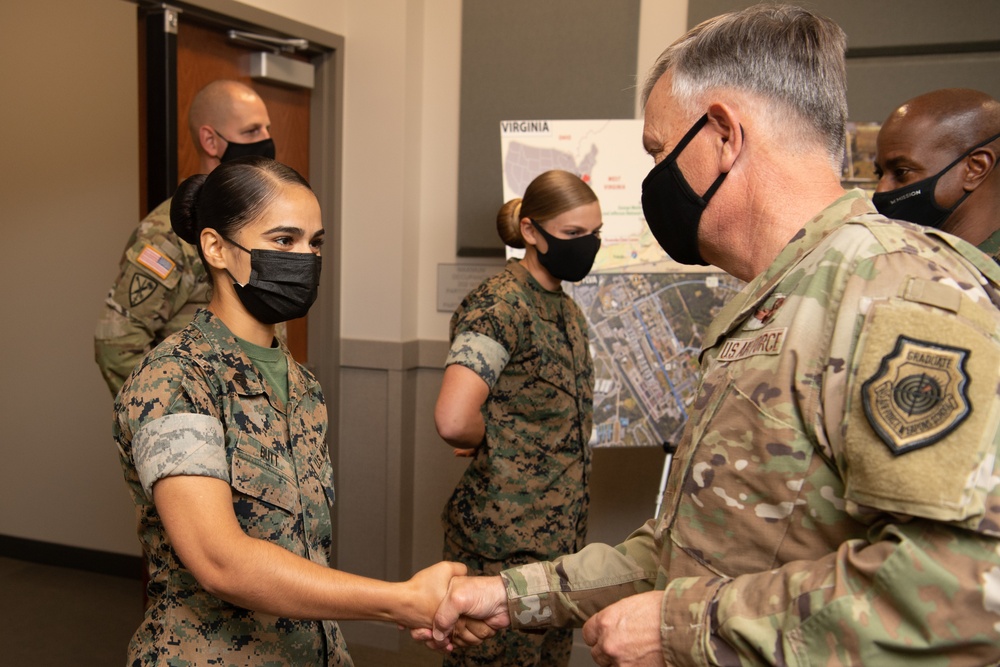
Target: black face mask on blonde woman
{"x":568,"y":259}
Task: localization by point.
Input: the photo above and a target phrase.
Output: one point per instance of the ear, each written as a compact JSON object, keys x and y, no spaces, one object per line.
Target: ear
{"x":978,"y":166}
{"x":210,"y":143}
{"x":724,"y":120}
{"x":528,"y":232}
{"x":211,"y":248}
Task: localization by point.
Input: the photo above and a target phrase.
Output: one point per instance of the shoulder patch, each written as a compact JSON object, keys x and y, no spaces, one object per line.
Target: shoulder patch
{"x":156,"y":261}
{"x":918,"y":395}
{"x":140,"y":289}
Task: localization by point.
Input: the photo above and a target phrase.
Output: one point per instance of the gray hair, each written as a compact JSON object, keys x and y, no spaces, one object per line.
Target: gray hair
{"x":785,"y":56}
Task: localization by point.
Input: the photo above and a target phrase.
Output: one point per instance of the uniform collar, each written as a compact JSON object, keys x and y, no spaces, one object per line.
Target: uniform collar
{"x":853,"y":203}
{"x":236,"y":367}
{"x":548,"y":302}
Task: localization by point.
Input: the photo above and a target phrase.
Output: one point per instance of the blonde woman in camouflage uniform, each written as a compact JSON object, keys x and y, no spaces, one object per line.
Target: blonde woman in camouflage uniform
{"x":517,"y":397}
{"x":222,"y":439}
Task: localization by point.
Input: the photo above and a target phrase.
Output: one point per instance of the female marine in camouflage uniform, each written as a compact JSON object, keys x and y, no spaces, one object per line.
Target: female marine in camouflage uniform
{"x":222,"y":439}
{"x":517,"y":396}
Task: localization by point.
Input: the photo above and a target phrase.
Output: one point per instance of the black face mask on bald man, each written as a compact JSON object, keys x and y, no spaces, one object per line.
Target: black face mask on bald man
{"x":263,"y":148}
{"x":916,"y":202}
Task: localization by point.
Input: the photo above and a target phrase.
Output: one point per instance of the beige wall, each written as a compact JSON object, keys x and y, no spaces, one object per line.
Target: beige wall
{"x":69,"y":187}
{"x":400,"y":157}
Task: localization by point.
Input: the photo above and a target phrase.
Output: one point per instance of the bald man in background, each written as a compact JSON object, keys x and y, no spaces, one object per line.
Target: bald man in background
{"x":936,"y":163}
{"x":161,"y":281}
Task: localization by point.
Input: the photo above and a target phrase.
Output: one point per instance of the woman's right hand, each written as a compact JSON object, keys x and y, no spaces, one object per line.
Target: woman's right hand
{"x":427,"y":589}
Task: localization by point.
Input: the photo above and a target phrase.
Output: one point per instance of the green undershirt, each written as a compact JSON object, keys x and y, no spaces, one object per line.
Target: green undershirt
{"x":271,"y":363}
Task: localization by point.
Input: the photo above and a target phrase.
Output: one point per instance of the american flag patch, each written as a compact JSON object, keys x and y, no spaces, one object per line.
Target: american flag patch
{"x":156,"y":261}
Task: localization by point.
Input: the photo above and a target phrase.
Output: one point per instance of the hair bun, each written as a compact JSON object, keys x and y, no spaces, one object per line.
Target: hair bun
{"x":183,"y":208}
{"x":509,"y":223}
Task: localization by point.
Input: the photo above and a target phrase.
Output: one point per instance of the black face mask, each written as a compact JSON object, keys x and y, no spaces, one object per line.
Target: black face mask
{"x":568,"y":259}
{"x":672,"y":208}
{"x":916,"y":203}
{"x":264,"y":148}
{"x":282,"y":285}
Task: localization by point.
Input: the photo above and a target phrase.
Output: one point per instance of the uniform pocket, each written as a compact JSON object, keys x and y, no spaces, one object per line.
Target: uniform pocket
{"x":556,"y":370}
{"x":743,"y":483}
{"x":260,"y":473}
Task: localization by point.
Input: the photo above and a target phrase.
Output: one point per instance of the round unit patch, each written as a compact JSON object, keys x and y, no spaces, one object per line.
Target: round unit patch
{"x":919,"y":394}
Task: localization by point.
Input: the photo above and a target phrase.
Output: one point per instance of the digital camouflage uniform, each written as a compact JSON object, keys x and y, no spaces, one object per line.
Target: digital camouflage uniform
{"x":524,"y":496}
{"x":161,"y":283}
{"x":835,"y":497}
{"x":198,"y":406}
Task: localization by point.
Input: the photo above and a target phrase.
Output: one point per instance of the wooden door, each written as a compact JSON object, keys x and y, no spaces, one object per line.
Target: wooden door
{"x":204,"y":54}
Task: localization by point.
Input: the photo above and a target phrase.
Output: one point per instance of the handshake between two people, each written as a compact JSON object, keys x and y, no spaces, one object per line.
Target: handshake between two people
{"x":458,"y":610}
{"x":474,"y":608}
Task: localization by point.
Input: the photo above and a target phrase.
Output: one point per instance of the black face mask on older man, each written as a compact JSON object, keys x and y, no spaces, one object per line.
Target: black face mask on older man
{"x":672,"y":209}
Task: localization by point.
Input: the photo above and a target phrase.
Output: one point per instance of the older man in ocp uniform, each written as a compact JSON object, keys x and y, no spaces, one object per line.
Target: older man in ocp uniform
{"x":834,"y":499}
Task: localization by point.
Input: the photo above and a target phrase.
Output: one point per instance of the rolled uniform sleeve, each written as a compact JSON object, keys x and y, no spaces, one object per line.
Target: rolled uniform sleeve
{"x":167,"y":423}
{"x":484,"y":336}
{"x":480,"y":354}
{"x":180,"y":444}
{"x":570,"y":589}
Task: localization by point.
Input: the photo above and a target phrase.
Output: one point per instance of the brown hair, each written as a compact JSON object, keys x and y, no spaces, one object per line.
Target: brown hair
{"x":551,"y":193}
{"x":235,"y":194}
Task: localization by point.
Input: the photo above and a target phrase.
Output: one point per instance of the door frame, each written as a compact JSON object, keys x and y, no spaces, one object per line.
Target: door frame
{"x":326,"y":115}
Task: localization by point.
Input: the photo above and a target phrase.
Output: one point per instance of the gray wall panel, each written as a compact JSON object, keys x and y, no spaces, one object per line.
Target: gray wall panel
{"x":890,"y":23}
{"x":898,"y":49}
{"x":523,"y":59}
{"x":876,"y":86}
{"x":361,"y":473}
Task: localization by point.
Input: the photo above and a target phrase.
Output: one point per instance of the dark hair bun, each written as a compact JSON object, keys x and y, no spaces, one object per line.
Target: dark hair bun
{"x":183,"y":208}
